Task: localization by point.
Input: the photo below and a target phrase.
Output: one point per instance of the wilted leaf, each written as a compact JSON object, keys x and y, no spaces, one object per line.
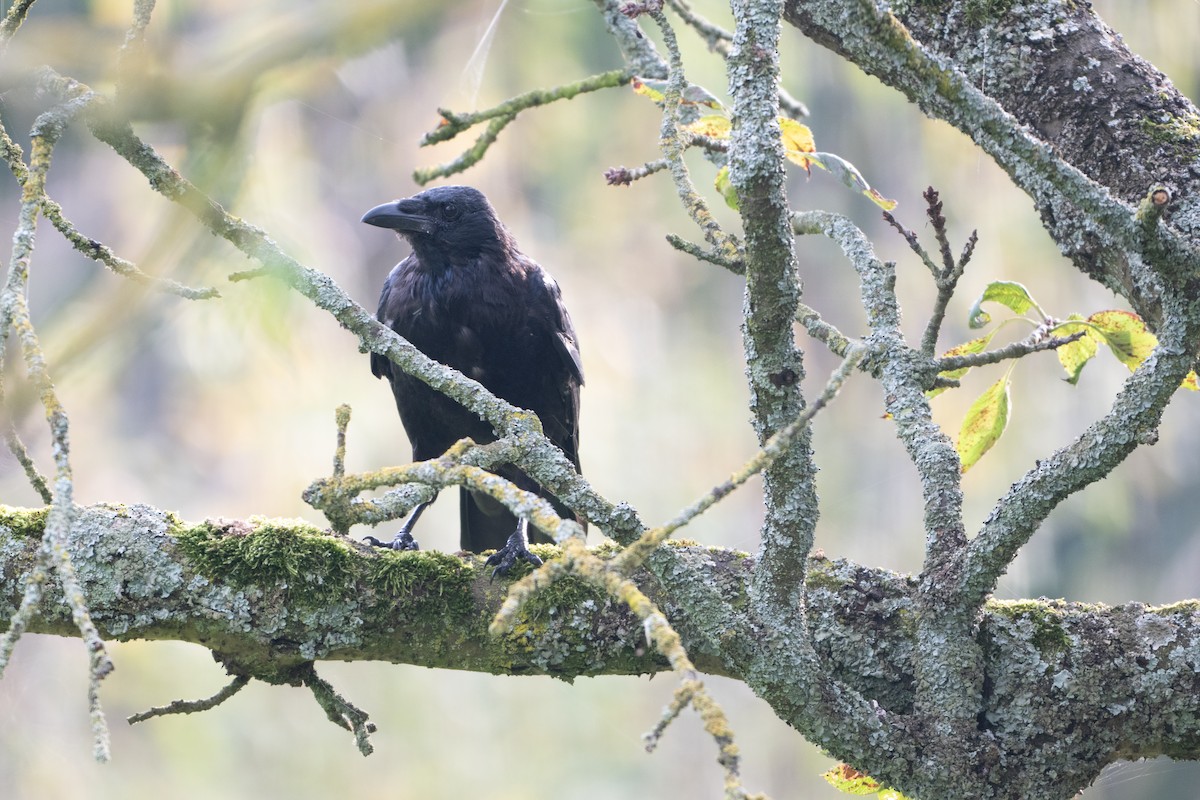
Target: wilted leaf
{"x":698,"y":95}
{"x":797,"y":140}
{"x":847,"y":779}
{"x":849,"y":175}
{"x":1075,"y":355}
{"x":984,"y":423}
{"x":656,"y":90}
{"x":716,"y":126}
{"x":1007,"y":293}
{"x":965,"y":349}
{"x":725,"y":187}
{"x":1126,"y":336}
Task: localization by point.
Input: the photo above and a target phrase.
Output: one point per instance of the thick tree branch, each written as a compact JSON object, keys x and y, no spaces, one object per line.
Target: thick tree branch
{"x":1039,"y":76}
{"x":269,"y":597}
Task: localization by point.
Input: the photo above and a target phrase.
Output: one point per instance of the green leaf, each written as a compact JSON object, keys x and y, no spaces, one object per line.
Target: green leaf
{"x":848,"y":174}
{"x":725,"y":187}
{"x":1075,"y":355}
{"x":965,"y":349}
{"x":1010,"y":294}
{"x":985,"y":421}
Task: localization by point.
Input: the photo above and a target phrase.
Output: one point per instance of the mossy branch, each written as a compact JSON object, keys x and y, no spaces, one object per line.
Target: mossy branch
{"x":610,"y":577}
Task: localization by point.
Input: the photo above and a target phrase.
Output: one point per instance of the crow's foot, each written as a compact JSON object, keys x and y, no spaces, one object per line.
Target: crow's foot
{"x":514,"y":550}
{"x":403,"y":541}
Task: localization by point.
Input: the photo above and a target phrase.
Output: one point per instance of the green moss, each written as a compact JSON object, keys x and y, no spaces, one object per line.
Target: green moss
{"x":821,"y":578}
{"x":1185,"y":607}
{"x":568,"y":592}
{"x":422,"y":574}
{"x":313,"y":566}
{"x":1176,"y":130}
{"x":24,"y":522}
{"x":1049,"y":637}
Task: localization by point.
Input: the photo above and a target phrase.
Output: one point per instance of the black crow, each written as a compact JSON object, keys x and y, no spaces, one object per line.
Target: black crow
{"x":467,"y":297}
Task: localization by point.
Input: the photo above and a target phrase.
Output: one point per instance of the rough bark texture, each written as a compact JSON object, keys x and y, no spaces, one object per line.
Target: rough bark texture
{"x":1074,"y":684}
{"x":1057,"y":69}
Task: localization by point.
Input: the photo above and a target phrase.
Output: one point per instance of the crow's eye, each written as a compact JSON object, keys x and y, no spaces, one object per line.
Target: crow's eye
{"x":451,"y":211}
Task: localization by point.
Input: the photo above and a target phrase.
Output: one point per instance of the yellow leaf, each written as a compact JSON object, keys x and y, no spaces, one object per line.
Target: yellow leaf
{"x":715,"y":126}
{"x":848,"y":174}
{"x":1126,"y":336}
{"x":986,"y":419}
{"x":846,"y":778}
{"x":649,"y":88}
{"x":797,"y":140}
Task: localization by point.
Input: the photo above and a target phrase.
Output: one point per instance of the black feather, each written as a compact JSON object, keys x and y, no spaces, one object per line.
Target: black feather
{"x":468,"y":297}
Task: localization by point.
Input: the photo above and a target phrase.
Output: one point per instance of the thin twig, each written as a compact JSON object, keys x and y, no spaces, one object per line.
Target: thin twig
{"x":341,"y":711}
{"x":673,"y":143}
{"x":498,"y":118}
{"x":12,"y":22}
{"x":634,"y":555}
{"x":837,"y":342}
{"x":192,"y":706}
{"x":14,"y":312}
{"x":719,"y":41}
{"x":1014,"y":350}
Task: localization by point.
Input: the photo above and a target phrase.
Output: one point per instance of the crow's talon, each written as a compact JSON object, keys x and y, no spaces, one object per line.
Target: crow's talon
{"x":514,"y":550}
{"x":403,"y":541}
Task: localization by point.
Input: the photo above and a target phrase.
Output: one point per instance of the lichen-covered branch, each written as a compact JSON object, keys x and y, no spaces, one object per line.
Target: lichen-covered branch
{"x":53,"y":556}
{"x":635,"y":554}
{"x":673,"y":142}
{"x":1095,"y":453}
{"x":271,"y":596}
{"x":949,"y":663}
{"x":1084,"y":191}
{"x":720,"y":40}
{"x":1032,"y":344}
{"x":774,"y":366}
{"x":192,"y":706}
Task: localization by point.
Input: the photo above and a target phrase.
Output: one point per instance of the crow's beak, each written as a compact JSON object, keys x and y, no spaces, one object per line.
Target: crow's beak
{"x":399,"y":215}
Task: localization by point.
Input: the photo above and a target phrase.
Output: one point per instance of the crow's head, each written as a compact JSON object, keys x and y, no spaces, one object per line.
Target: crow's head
{"x":443,"y":224}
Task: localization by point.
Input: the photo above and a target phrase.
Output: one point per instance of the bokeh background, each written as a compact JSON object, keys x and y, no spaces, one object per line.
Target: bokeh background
{"x":299,"y":117}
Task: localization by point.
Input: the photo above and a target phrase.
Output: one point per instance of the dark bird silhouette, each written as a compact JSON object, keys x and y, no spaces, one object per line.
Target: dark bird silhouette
{"x":467,"y":297}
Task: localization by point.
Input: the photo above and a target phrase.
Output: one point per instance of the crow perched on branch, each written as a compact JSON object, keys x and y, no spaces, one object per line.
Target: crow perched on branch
{"x":467,"y":297}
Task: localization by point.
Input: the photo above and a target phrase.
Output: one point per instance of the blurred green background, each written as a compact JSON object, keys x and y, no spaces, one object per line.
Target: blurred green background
{"x":299,"y":117}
